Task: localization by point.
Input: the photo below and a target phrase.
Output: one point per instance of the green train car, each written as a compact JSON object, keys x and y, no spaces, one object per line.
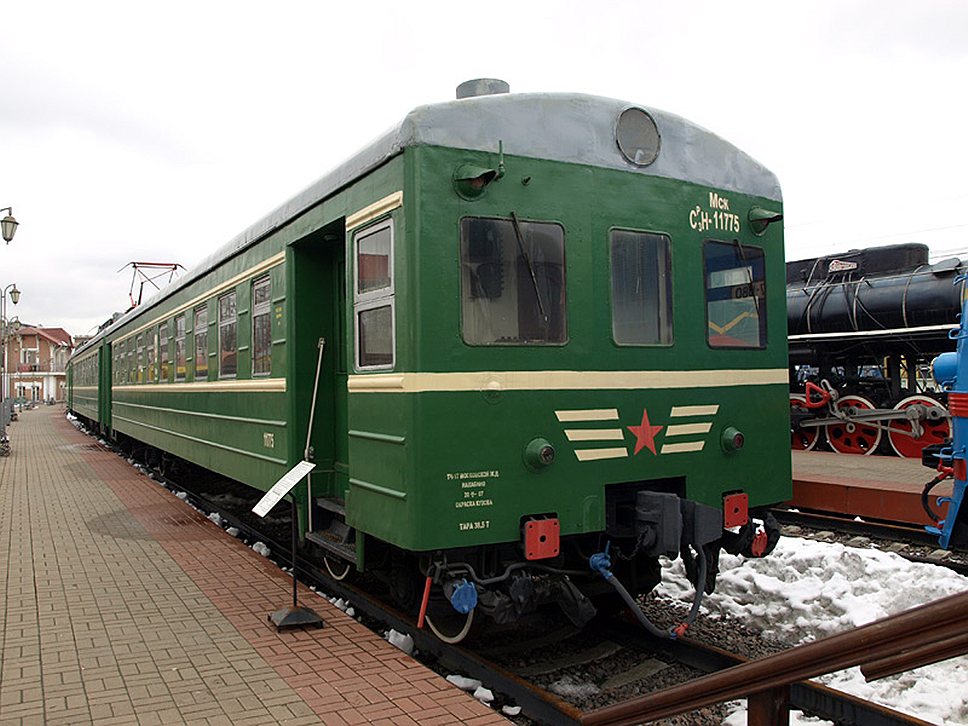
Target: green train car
{"x":551,"y":326}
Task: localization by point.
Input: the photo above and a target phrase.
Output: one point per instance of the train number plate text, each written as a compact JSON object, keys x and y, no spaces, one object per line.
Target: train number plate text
{"x":479,"y":524}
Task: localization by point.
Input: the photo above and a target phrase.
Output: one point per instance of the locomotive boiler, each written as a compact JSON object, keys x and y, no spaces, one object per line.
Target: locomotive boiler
{"x":864,"y":326}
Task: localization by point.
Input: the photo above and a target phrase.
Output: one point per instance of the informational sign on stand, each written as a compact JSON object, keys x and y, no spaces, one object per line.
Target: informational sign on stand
{"x":282,"y":487}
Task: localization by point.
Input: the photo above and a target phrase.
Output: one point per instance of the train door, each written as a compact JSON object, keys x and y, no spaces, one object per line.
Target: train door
{"x":316,"y":283}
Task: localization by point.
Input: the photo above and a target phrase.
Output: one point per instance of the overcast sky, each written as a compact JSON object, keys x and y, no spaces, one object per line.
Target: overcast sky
{"x":158,"y":131}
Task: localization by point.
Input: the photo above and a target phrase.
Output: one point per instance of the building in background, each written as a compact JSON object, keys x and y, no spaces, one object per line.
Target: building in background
{"x":36,"y":363}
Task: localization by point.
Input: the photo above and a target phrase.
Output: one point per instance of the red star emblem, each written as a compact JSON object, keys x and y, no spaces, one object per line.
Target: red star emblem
{"x":645,"y":433}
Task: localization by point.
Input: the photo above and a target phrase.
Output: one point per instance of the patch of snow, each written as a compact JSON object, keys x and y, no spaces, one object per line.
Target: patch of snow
{"x":261,"y":548}
{"x":214,"y":516}
{"x":233,"y":531}
{"x":809,"y":590}
{"x":511,"y":710}
{"x":464,"y":683}
{"x":484,"y":695}
{"x":182,"y":495}
{"x":401,"y":640}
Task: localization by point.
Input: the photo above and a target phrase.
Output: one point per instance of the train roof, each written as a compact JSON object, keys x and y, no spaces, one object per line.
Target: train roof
{"x":568,"y":127}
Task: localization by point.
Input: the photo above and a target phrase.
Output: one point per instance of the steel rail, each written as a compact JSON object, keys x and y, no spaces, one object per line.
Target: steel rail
{"x":547,"y":708}
{"x":934,"y":623}
{"x":815,"y":698}
{"x":843,"y":523}
{"x":541,"y":705}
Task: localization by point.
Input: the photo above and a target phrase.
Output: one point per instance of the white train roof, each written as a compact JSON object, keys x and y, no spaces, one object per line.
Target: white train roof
{"x":567,"y":127}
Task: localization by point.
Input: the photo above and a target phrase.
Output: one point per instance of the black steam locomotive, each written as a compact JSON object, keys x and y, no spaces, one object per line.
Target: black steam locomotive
{"x":863,"y":328}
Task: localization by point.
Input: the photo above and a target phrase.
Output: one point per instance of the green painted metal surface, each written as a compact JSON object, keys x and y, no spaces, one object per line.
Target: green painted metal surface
{"x":445,"y":467}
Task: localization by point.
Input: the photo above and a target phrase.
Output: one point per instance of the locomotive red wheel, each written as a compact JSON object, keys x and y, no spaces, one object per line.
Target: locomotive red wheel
{"x":802,"y":439}
{"x":851,"y":437}
{"x":932,"y":431}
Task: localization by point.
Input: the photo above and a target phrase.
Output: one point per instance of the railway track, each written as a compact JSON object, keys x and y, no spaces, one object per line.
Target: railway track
{"x":610,"y":641}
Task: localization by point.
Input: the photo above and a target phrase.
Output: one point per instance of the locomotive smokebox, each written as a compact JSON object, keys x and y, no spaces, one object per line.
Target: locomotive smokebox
{"x":482,"y":87}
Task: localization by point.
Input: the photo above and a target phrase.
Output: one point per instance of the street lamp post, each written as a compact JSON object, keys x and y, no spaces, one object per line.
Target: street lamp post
{"x":8,"y":225}
{"x":4,"y":407}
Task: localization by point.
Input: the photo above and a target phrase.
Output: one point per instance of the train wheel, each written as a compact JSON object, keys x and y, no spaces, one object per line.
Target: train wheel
{"x":802,"y":439}
{"x":932,"y":432}
{"x":850,"y":437}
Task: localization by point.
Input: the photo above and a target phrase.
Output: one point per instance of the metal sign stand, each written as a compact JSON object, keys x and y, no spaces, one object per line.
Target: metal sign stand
{"x":294,"y":616}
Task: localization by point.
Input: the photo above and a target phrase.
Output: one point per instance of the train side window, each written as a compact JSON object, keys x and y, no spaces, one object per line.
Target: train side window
{"x":132,"y":363}
{"x":374,"y":297}
{"x":261,"y":327}
{"x":141,"y":358}
{"x":164,"y":342}
{"x":152,"y":348}
{"x":512,"y":282}
{"x":227,"y":336}
{"x":201,"y":343}
{"x":641,"y":288}
{"x":180,"y":362}
{"x":735,"y":295}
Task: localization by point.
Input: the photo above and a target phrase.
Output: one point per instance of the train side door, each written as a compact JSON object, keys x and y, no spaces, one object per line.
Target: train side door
{"x":341,"y":357}
{"x":316,"y":283}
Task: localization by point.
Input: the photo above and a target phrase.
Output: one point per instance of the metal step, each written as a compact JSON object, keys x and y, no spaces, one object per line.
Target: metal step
{"x":325,"y":540}
{"x":332,"y":504}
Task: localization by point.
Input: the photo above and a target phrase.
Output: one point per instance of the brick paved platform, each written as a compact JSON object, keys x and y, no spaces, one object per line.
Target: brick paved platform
{"x":875,"y":487}
{"x":123,"y":605}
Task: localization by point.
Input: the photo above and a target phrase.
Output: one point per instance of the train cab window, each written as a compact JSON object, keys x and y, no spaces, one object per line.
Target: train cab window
{"x":512,"y":282}
{"x":641,"y":288}
{"x":374,"y":297}
{"x":227,"y":336}
{"x":735,"y":295}
{"x":180,"y":360}
{"x":201,"y":343}
{"x":261,"y":327}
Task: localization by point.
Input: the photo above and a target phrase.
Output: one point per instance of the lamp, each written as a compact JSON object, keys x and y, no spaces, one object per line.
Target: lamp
{"x":8,"y":225}
{"x":15,"y":294}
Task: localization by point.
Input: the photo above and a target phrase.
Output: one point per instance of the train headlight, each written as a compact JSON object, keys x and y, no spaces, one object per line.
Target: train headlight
{"x":470,"y":181}
{"x":760,"y":219}
{"x":538,"y":454}
{"x":732,"y":439}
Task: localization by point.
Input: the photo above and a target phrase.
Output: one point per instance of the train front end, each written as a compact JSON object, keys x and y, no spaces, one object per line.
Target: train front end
{"x":592,"y":349}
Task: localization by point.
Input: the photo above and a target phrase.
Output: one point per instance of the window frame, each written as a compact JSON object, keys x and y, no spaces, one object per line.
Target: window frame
{"x":180,"y":337}
{"x":761,"y":312}
{"x":372,"y":299}
{"x":566,"y":334}
{"x":164,"y":351}
{"x":671,"y":286}
{"x":263,"y":309}
{"x":234,"y":321}
{"x":141,"y":358}
{"x":203,"y":310}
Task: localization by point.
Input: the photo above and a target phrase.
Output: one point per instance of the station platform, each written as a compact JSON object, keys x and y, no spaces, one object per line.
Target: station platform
{"x":871,"y":487}
{"x":123,"y":605}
